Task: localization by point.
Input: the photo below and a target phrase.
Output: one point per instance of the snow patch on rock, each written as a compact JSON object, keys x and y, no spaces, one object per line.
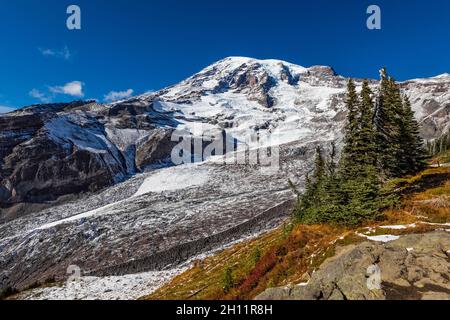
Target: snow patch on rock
{"x":399,"y":227}
{"x":382,"y":238}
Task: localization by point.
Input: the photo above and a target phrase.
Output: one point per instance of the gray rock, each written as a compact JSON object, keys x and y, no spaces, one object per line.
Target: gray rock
{"x":420,"y":273}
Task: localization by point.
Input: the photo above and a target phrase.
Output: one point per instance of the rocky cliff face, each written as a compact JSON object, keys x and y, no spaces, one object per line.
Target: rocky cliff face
{"x":54,"y":152}
{"x":431,"y":101}
{"x":412,"y":268}
{"x":42,"y":162}
{"x":49,"y":151}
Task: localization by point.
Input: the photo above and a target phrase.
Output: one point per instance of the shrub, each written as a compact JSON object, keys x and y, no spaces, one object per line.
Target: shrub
{"x":227,"y":280}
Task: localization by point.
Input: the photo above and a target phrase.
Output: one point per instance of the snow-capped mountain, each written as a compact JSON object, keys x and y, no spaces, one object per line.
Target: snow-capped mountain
{"x":90,"y":184}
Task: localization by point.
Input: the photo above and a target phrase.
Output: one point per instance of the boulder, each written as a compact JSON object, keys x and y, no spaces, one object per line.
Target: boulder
{"x":411,"y":268}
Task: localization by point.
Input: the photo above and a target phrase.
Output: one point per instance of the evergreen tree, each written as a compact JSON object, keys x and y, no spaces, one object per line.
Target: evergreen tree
{"x":381,"y":137}
{"x":313,"y":188}
{"x":412,"y":155}
{"x":399,"y":135}
{"x":227,"y":280}
{"x":386,"y":127}
{"x":360,"y":184}
{"x":331,"y":164}
{"x":363,"y":200}
{"x":349,"y":153}
{"x":319,"y":171}
{"x":365,"y":145}
{"x":333,"y":196}
{"x":350,"y":194}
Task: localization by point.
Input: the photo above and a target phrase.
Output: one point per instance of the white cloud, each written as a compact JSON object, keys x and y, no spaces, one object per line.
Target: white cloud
{"x":35,"y":93}
{"x":64,"y":53}
{"x":47,"y":52}
{"x":74,"y":89}
{"x":4,"y":109}
{"x":118,"y":95}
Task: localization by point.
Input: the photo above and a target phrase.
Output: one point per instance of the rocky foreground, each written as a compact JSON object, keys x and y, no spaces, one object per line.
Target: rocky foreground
{"x":413,"y":267}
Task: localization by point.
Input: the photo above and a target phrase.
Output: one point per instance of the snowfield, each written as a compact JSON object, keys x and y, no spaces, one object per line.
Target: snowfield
{"x":129,"y":287}
{"x":174,"y":178}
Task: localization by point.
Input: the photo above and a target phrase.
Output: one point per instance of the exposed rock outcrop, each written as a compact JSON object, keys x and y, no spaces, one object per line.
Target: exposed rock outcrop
{"x":50,"y":151}
{"x":413,"y":267}
{"x":40,"y":160}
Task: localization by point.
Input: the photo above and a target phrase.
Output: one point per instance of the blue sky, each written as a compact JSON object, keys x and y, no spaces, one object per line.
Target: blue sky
{"x":134,"y":46}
